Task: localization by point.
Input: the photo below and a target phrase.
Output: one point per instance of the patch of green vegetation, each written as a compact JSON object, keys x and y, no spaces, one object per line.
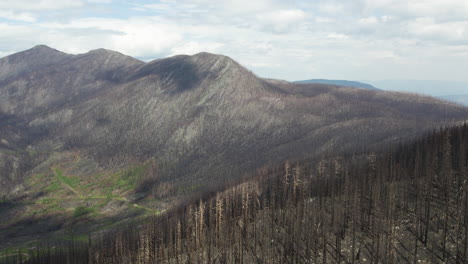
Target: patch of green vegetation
{"x":71,"y":181}
{"x":36,"y":179}
{"x":154,"y":211}
{"x":129,"y":178}
{"x":54,"y":207}
{"x":125,"y":180}
{"x":89,"y":185}
{"x":188,"y":188}
{"x":133,"y":174}
{"x":74,"y":237}
{"x":82,"y":210}
{"x":123,"y":184}
{"x":104,"y":202}
{"x":38,"y":211}
{"x":53,"y":186}
{"x":46,"y":201}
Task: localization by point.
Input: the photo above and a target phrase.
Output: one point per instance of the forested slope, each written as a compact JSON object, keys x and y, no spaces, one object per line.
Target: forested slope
{"x":405,"y":204}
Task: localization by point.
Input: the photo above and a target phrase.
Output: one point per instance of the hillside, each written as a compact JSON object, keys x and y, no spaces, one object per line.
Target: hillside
{"x":341,"y":83}
{"x":406,"y":204}
{"x":122,"y":137}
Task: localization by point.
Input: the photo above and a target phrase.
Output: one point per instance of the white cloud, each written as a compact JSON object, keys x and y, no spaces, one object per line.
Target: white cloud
{"x":362,"y":39}
{"x":21,"y":16}
{"x":368,"y":21}
{"x":446,"y":9}
{"x":39,"y":5}
{"x":428,"y":29}
{"x":193,"y":47}
{"x":138,"y":37}
{"x":281,"y":20}
{"x":100,"y":1}
{"x":337,"y":36}
{"x":158,"y":6}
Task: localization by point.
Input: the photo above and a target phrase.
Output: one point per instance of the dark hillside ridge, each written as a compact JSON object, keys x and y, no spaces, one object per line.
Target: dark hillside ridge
{"x":345,"y":83}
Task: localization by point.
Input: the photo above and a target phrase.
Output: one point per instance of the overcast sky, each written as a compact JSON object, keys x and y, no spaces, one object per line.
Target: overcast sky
{"x":291,"y":40}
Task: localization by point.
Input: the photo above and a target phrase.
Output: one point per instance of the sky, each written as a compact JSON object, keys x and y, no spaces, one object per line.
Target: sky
{"x":282,"y":39}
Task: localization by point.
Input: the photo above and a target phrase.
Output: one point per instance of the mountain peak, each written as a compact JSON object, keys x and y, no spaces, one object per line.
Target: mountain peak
{"x":43,"y":50}
{"x":103,"y":51}
{"x":211,"y":56}
{"x":112,"y":55}
{"x":30,"y":60}
{"x":215,"y":62}
{"x":42,"y":47}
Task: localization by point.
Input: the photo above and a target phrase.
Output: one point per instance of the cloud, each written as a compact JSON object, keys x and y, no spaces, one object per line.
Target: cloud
{"x":368,"y":21}
{"x":20,"y":16}
{"x":39,"y":5}
{"x":440,"y":10}
{"x":360,"y":39}
{"x":138,"y":37}
{"x":193,"y":47}
{"x":99,"y":1}
{"x":281,"y":20}
{"x":448,"y":32}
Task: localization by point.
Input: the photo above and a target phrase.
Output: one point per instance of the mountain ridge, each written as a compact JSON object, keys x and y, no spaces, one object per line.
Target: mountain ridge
{"x":161,"y":130}
{"x":199,"y":86}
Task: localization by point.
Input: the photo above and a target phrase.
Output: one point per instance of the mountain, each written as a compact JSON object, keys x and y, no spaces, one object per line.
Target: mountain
{"x":33,"y":59}
{"x":101,"y":135}
{"x":428,"y":87}
{"x":460,"y":99}
{"x":341,"y":83}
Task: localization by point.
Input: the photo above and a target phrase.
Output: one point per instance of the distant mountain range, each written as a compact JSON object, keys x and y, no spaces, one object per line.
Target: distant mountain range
{"x":460,"y":99}
{"x":440,"y":89}
{"x":455,"y":91}
{"x":429,"y":87}
{"x":341,"y":83}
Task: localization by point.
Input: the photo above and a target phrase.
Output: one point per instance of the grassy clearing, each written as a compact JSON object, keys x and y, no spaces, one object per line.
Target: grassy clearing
{"x":72,"y":181}
{"x":53,"y":186}
{"x":63,"y":194}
